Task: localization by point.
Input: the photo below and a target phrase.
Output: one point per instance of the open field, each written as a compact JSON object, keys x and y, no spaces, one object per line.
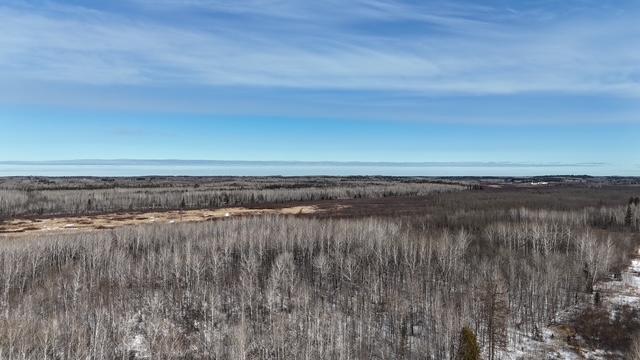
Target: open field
{"x":111,"y":221}
{"x":533,"y":272}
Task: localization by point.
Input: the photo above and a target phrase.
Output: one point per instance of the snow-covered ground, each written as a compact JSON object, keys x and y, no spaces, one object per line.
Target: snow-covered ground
{"x":136,"y":344}
{"x":554,"y":337}
{"x":552,"y":345}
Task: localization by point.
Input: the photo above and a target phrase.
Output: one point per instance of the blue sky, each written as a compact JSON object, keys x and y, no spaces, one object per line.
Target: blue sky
{"x":528,"y":82}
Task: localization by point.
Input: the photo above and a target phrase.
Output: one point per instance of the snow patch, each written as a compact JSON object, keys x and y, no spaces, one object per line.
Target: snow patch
{"x":553,"y":345}
{"x":135,"y":344}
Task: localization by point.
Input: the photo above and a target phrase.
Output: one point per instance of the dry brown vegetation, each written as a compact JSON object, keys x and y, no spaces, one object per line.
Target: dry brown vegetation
{"x":287,"y":287}
{"x":111,"y":221}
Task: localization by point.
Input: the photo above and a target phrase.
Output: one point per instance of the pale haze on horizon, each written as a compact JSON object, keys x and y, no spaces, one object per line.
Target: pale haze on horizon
{"x":536,"y":87}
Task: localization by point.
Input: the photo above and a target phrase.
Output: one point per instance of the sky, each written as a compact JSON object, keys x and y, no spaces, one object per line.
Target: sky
{"x":549,"y":85}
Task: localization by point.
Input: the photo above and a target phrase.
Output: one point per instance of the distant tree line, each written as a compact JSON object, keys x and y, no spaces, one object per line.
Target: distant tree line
{"x":75,"y":202}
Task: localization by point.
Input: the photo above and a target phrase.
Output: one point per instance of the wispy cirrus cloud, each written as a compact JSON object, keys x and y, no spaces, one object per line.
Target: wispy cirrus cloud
{"x":175,"y":162}
{"x":353,"y":58}
{"x":323,"y":45}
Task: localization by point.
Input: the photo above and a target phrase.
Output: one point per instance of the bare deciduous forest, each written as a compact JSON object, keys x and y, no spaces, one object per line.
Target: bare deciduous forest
{"x":473,"y":273}
{"x":89,"y":195}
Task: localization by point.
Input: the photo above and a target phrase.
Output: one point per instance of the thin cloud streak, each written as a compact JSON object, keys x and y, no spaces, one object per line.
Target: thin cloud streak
{"x":66,"y":44}
{"x":175,"y":162}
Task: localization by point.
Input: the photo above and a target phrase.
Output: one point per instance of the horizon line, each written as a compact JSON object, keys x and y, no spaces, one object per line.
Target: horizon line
{"x":204,"y":162}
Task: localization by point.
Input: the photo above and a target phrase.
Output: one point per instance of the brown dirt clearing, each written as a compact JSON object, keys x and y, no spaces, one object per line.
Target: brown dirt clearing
{"x":110,"y":221}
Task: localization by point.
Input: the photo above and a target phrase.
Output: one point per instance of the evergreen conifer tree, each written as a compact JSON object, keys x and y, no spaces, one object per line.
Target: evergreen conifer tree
{"x":468,"y":348}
